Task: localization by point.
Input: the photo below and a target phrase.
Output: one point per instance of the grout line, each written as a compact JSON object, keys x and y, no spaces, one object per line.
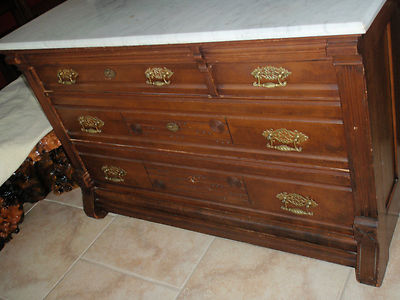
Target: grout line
{"x":63,"y":203}
{"x":83,"y":252}
{"x":25,"y":213}
{"x":195,"y":267}
{"x":345,"y":284}
{"x":133,"y":274}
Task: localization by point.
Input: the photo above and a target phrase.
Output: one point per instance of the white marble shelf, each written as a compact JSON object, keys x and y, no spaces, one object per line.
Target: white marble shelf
{"x":98,"y":23}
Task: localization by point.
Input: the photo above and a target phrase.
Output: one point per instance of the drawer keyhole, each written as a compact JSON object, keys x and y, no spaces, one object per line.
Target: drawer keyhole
{"x":234,"y":181}
{"x":136,"y":128}
{"x":217,"y":126}
{"x":158,"y":184}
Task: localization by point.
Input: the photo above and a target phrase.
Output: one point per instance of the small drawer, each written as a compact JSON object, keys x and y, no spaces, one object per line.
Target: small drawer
{"x":311,"y":138}
{"x":119,"y":171}
{"x":329,"y":204}
{"x":276,"y":79}
{"x":178,"y":128}
{"x":155,"y":78}
{"x":86,"y":123}
{"x":202,"y":184}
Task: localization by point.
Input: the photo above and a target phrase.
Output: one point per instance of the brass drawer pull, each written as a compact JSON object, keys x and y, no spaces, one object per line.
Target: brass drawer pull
{"x":292,"y":203}
{"x":289,"y":140}
{"x":158,"y":76}
{"x":67,"y":76}
{"x":172,"y":127}
{"x":90,"y":124}
{"x":270,"y":73}
{"x":109,"y":73}
{"x":113,"y":173}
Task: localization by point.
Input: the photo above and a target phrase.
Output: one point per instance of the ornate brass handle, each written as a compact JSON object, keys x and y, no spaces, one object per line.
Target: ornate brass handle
{"x":67,"y":76}
{"x":158,"y":76}
{"x":272,"y":74}
{"x":292,"y":203}
{"x":90,"y":124}
{"x":113,"y":173}
{"x":289,"y":140}
{"x":172,"y":127}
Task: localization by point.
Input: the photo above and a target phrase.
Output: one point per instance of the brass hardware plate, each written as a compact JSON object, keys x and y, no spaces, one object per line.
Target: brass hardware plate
{"x":109,"y":73}
{"x":294,"y":203}
{"x":288,"y":140}
{"x":67,"y":76}
{"x":113,"y":173}
{"x":271,"y":74}
{"x":90,"y":124}
{"x":172,"y":127}
{"x":158,"y":76}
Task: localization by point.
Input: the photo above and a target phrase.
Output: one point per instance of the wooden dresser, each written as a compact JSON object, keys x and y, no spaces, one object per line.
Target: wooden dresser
{"x":289,"y":143}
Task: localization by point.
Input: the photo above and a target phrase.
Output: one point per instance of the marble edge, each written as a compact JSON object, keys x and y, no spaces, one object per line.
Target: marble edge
{"x":297,"y":31}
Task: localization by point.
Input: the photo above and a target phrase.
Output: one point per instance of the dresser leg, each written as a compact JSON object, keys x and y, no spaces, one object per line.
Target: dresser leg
{"x":88,"y":196}
{"x":370,"y":267}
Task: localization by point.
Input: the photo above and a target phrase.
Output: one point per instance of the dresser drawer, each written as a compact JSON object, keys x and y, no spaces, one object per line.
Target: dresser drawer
{"x":312,"y":138}
{"x":175,"y":127}
{"x":209,"y":185}
{"x":88,"y":123}
{"x":119,"y":171}
{"x":276,"y":79}
{"x":312,"y":202}
{"x":141,"y":78}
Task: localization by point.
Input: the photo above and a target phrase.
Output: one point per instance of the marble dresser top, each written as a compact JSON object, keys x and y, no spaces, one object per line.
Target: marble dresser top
{"x":94,"y":23}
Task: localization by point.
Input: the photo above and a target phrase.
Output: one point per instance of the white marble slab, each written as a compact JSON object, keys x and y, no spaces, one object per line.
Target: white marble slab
{"x":91,"y":23}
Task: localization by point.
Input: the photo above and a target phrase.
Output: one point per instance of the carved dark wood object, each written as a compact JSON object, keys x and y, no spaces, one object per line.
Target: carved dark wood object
{"x":45,"y":169}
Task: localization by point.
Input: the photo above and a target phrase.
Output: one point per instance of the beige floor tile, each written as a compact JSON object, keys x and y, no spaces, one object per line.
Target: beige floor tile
{"x":390,"y":289}
{"x":73,"y":198}
{"x":107,"y":284}
{"x":151,"y":250}
{"x":52,"y":237}
{"x":233,"y":270}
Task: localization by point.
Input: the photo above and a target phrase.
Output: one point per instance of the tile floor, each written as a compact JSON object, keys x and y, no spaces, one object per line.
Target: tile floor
{"x":62,"y":254}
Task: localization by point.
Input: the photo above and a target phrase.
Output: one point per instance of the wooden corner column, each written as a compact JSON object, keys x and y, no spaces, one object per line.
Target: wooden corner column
{"x":369,"y":98}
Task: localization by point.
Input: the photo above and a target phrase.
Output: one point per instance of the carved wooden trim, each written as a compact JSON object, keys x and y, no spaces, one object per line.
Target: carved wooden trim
{"x":367,"y":265}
